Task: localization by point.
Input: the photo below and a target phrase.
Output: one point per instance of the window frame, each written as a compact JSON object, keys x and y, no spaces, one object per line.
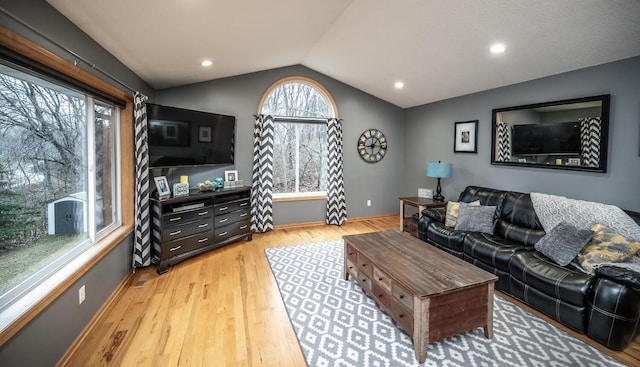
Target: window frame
{"x":25,"y":309}
{"x":316,"y":195}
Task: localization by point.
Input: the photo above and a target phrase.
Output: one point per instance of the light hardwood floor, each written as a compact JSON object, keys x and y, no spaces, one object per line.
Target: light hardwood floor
{"x":222,"y":308}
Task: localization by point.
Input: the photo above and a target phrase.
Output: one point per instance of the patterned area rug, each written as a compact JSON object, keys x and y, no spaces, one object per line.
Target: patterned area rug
{"x":338,"y":325}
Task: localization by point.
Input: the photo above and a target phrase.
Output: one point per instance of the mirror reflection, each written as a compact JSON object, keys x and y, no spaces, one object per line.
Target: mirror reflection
{"x":569,"y":134}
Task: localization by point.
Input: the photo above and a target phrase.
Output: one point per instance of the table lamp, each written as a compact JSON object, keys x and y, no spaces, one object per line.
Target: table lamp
{"x":439,"y":170}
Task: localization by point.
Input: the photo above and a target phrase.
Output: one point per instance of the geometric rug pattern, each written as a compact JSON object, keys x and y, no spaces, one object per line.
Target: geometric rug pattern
{"x":337,"y":324}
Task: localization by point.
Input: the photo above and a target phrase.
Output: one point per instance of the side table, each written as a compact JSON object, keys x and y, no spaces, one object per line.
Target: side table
{"x":421,"y":204}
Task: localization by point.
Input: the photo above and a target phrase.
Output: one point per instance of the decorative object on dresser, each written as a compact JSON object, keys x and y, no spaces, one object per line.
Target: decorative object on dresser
{"x":163,"y":187}
{"x":439,"y":170}
{"x":187,"y":226}
{"x":466,"y":137}
{"x":409,"y":223}
{"x":430,"y":294}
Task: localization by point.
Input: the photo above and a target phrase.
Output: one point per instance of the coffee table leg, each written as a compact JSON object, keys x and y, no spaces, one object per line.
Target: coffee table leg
{"x":421,"y":328}
{"x":488,"y":328}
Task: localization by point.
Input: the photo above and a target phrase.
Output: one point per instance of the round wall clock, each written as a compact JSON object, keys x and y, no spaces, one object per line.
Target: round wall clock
{"x":372,"y":145}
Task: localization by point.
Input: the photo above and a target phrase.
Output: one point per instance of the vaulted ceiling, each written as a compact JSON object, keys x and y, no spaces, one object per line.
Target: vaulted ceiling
{"x":438,"y":49}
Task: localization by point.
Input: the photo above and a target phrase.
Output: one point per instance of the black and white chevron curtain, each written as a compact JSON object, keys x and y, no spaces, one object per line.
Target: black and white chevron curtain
{"x":504,"y":142}
{"x":262,"y":184}
{"x":336,"y":203}
{"x":590,"y":136}
{"x":142,"y":240}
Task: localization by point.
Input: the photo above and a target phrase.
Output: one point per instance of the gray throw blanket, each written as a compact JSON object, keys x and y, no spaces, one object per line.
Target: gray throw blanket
{"x":553,"y":209}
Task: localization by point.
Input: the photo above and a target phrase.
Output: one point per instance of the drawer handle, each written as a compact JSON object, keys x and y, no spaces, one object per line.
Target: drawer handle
{"x":401,"y":296}
{"x":243,"y":215}
{"x":175,"y":233}
{"x":223,"y":208}
{"x":243,"y":227}
{"x":244,"y":204}
{"x":364,"y":280}
{"x":380,"y":279}
{"x":203,"y":213}
{"x":223,"y":234}
{"x":363,"y":265}
{"x":223,"y":220}
{"x":401,"y":315}
{"x":203,"y":240}
{"x":380,"y":295}
{"x":174,"y":219}
{"x":203,"y":225}
{"x":175,"y":248}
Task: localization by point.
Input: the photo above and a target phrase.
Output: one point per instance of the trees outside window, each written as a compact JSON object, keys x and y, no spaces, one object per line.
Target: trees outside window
{"x":57,"y":176}
{"x":301,"y":107}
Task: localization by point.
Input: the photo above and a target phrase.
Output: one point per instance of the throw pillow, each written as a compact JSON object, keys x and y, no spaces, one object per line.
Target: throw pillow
{"x":563,"y":243}
{"x":452,"y":211}
{"x":476,"y":218}
{"x":606,"y":246}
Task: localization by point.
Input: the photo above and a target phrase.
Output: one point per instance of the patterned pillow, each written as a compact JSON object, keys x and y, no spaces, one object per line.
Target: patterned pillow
{"x":563,"y":243}
{"x":476,"y":218}
{"x":452,"y":211}
{"x":606,"y":246}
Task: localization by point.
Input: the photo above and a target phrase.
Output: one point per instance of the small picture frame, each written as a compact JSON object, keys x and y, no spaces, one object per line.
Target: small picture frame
{"x":573,"y":161}
{"x":230,"y":176}
{"x":164,"y":192}
{"x":204,"y":134}
{"x":465,"y":137}
{"x":180,"y":189}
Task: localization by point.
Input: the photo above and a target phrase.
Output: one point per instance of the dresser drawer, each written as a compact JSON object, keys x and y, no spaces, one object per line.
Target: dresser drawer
{"x":231,"y":206}
{"x":185,"y":244}
{"x":175,"y":232}
{"x":233,"y":229}
{"x":402,"y":316}
{"x":403,"y":296}
{"x":382,"y":279}
{"x":234,"y":216}
{"x":182,"y":217}
{"x":364,"y":266}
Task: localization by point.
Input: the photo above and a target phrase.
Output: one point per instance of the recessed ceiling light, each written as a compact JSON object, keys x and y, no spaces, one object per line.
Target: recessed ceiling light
{"x":206,"y":63}
{"x":498,"y":48}
{"x":399,"y":85}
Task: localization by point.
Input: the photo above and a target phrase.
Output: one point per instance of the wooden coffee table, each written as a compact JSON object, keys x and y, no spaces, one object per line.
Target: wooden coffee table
{"x":429,"y":293}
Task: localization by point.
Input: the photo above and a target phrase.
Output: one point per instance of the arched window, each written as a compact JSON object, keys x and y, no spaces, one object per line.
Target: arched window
{"x":300,"y":107}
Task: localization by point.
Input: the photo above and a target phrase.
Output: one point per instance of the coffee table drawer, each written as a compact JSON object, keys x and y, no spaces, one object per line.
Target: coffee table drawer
{"x":382,"y":279}
{"x":364,"y":281}
{"x":365,"y":266}
{"x":402,"y":316}
{"x":382,"y":296}
{"x":403,"y":296}
{"x":351,"y":253}
{"x":351,"y":268}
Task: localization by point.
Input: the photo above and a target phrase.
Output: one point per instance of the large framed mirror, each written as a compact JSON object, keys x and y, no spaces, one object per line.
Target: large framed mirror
{"x":569,"y":134}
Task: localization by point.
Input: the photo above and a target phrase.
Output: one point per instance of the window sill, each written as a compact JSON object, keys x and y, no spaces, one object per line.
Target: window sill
{"x":315,"y":196}
{"x":20,"y":313}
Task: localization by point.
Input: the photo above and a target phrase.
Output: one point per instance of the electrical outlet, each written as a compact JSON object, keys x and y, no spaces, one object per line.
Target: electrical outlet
{"x":81,"y":295}
{"x":368,"y":202}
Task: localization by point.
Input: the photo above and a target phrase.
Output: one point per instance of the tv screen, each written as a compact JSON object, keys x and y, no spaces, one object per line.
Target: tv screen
{"x":550,"y":139}
{"x":181,"y":137}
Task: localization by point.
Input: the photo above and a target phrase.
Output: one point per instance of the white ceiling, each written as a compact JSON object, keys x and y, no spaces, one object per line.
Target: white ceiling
{"x":439,"y":49}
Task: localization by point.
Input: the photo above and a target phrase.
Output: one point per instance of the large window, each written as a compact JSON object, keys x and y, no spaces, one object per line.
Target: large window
{"x":58,"y":171}
{"x":301,"y":108}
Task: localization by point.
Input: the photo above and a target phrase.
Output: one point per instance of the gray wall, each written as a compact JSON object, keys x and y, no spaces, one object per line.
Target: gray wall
{"x":46,"y":338}
{"x":429,"y":130}
{"x":240,"y":96}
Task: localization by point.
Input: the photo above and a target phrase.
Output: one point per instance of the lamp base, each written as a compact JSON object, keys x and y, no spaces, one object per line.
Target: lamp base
{"x":438,"y":196}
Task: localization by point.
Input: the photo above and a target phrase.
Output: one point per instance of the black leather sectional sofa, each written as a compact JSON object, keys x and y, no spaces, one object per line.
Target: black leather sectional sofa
{"x":604,"y":306}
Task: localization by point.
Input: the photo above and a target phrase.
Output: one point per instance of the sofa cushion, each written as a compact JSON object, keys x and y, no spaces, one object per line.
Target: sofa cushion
{"x":487,"y":196}
{"x":447,"y":237}
{"x":563,"y":243}
{"x":606,"y":246}
{"x":490,"y":249}
{"x":538,"y":271}
{"x":517,"y":220}
{"x":453,"y":209}
{"x":476,"y":219}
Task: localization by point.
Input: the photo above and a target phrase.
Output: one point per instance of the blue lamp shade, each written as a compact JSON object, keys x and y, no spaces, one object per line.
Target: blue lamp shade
{"x":438,"y":169}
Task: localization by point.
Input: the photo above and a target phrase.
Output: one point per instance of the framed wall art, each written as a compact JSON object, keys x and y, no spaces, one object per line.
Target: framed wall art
{"x":465,"y":137}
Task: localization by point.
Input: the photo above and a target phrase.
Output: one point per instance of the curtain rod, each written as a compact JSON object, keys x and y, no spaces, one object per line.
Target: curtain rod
{"x":78,"y":57}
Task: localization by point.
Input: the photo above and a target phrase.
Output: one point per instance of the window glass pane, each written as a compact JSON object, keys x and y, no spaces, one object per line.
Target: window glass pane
{"x":43,"y":175}
{"x":297,"y":100}
{"x":105,"y":172}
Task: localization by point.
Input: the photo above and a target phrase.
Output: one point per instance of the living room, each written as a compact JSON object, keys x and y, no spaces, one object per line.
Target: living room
{"x":417,"y":134}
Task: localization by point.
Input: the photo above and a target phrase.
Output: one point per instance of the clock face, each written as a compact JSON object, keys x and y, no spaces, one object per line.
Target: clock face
{"x":372,"y":145}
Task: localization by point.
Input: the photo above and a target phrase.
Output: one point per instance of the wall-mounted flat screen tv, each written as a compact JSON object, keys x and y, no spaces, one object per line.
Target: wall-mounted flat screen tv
{"x":549,"y":139}
{"x":181,"y":137}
